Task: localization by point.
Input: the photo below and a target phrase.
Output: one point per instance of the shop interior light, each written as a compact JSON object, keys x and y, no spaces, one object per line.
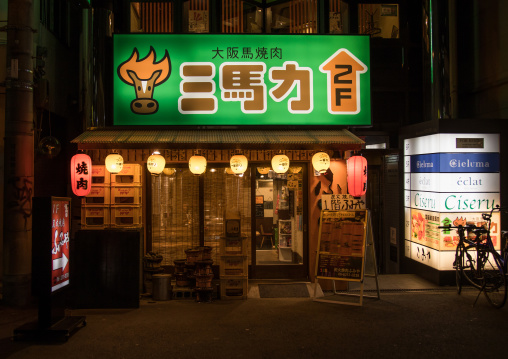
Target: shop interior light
{"x":197,"y":164}
{"x":156,"y":163}
{"x":81,"y":174}
{"x":114,"y":162}
{"x":321,"y":162}
{"x":280,"y":163}
{"x":169,"y":171}
{"x":263,"y":170}
{"x":238,"y":164}
{"x":357,"y":176}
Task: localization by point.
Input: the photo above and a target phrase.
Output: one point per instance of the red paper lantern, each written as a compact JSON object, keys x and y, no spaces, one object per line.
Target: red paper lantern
{"x":357,"y":176}
{"x":81,"y":174}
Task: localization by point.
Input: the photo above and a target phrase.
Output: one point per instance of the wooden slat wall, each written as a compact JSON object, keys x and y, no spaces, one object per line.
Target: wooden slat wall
{"x":156,"y":17}
{"x":232,"y":9}
{"x":199,"y":5}
{"x":334,"y":5}
{"x":303,"y":16}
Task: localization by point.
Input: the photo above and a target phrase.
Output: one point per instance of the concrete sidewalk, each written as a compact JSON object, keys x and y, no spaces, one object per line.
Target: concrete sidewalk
{"x":434,"y":323}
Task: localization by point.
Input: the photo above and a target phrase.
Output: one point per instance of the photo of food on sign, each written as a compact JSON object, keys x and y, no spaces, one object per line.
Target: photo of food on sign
{"x":450,"y":238}
{"x":425,"y":228}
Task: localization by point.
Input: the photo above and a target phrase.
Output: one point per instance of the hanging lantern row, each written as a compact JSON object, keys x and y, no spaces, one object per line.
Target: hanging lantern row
{"x":114,"y":163}
{"x":357,"y":176}
{"x":155,"y":163}
{"x":81,"y":174}
{"x":197,"y":164}
{"x":321,"y":162}
{"x":280,"y":163}
{"x":238,"y":164}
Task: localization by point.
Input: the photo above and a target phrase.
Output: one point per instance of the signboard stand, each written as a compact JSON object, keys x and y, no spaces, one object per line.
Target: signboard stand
{"x":345,"y":246}
{"x":50,"y":271}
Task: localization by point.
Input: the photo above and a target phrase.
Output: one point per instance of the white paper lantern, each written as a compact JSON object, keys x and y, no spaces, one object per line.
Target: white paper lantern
{"x":238,"y":164}
{"x":197,"y":164}
{"x":114,"y":163}
{"x":280,"y":163}
{"x":321,"y":162}
{"x":155,"y":163}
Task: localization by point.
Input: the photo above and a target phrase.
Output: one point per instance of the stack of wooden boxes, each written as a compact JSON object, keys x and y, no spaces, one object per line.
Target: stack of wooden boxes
{"x":114,"y":200}
{"x":95,"y":212}
{"x":126,"y":193}
{"x":234,"y":265}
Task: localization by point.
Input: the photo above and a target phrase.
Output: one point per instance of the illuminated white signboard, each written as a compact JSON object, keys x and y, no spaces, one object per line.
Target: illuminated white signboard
{"x":448,"y":179}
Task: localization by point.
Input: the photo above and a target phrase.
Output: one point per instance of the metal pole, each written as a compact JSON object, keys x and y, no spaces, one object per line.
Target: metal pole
{"x":19,"y":155}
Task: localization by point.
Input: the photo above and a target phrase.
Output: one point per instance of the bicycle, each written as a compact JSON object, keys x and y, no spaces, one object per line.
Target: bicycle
{"x":477,"y":261}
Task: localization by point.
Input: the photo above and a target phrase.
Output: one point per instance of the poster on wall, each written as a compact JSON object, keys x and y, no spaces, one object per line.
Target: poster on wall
{"x":60,"y":230}
{"x":341,"y":245}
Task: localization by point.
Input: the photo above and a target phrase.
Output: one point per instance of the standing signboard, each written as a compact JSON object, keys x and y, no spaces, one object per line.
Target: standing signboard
{"x":60,"y":229}
{"x":341,"y":251}
{"x":50,"y":270}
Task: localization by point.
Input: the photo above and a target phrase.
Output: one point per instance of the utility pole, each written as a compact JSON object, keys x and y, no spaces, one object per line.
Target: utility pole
{"x":19,"y":155}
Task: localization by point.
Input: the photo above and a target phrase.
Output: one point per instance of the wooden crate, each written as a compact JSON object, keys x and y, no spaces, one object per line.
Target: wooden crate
{"x":122,"y":195}
{"x":129,"y":175}
{"x":95,"y":216}
{"x":234,"y":266}
{"x":126,"y":216}
{"x":100,"y":175}
{"x":234,"y":287}
{"x":233,"y":246}
{"x":99,"y":194}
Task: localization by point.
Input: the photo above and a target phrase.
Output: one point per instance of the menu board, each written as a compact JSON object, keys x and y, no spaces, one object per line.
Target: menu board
{"x":60,"y":229}
{"x":341,"y":245}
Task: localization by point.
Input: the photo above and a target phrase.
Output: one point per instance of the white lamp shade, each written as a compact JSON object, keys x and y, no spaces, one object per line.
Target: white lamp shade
{"x":321,"y":162}
{"x":280,"y":163}
{"x":238,"y":164}
{"x":114,"y":163}
{"x":156,"y":163}
{"x":197,"y":164}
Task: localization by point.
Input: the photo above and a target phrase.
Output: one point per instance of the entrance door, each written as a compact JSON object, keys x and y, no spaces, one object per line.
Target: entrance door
{"x":189,"y":211}
{"x":280,"y":243}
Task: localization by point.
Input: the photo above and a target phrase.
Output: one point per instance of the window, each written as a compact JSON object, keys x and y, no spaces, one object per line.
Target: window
{"x":151,"y":17}
{"x":379,"y":20}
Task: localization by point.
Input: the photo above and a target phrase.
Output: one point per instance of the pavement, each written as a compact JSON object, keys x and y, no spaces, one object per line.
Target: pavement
{"x":413,"y":318}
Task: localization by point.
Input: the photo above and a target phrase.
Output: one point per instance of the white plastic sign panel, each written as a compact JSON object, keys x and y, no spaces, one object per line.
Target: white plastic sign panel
{"x":455,"y":182}
{"x":454,"y":202}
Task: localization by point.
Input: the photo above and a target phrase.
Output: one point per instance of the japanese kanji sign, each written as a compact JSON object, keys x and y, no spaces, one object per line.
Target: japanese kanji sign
{"x":60,"y":230}
{"x":213,"y":79}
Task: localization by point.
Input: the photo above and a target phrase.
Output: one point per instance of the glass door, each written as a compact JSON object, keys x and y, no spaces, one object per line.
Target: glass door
{"x":280,"y":240}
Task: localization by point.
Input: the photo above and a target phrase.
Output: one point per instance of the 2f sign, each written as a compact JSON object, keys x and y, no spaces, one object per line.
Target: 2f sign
{"x":343,"y":71}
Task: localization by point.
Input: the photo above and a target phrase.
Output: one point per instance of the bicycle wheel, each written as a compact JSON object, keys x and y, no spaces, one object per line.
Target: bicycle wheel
{"x":457,"y":264}
{"x":469,"y":266}
{"x":494,"y":281}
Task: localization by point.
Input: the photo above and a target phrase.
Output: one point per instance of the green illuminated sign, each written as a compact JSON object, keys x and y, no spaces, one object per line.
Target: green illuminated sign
{"x":241,"y":80}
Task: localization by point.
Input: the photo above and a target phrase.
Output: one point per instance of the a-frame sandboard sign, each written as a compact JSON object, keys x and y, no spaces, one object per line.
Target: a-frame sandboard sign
{"x":345,"y":245}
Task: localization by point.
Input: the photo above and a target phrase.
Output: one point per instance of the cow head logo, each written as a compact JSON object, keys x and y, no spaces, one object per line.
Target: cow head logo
{"x":144,"y":75}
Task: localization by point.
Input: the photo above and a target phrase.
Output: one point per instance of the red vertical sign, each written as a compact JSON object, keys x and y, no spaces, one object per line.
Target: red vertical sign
{"x":60,"y":227}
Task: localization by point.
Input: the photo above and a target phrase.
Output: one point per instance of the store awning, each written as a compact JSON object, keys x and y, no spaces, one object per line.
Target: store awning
{"x":336,"y":139}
